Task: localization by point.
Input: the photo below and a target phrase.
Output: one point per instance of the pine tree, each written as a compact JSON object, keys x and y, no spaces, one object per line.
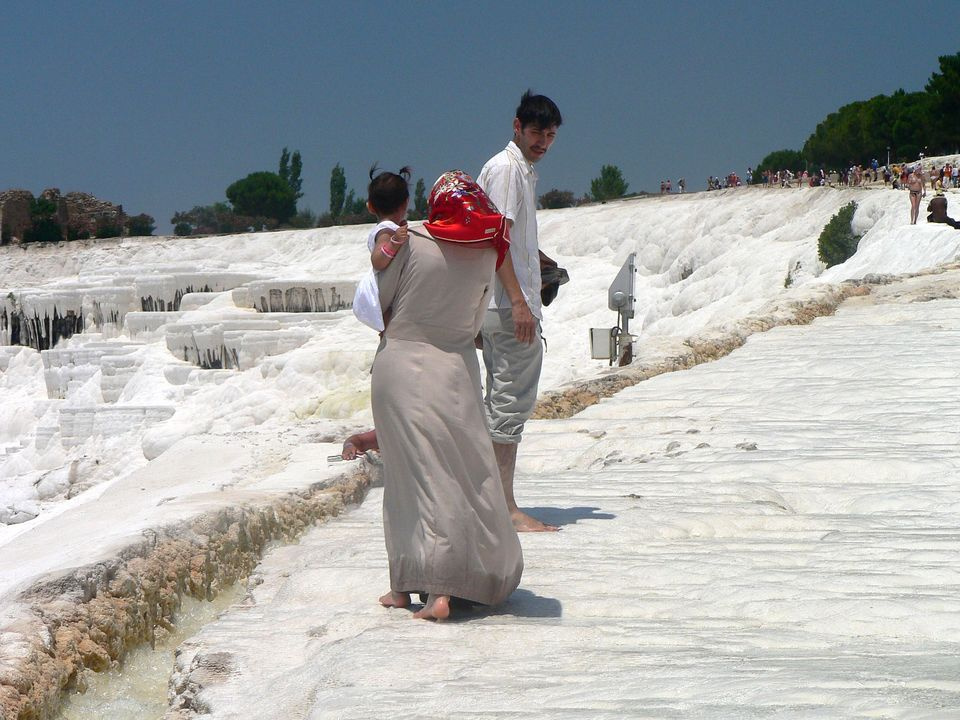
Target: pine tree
{"x":419,"y":211}
{"x":289,"y":171}
{"x":338,"y":192}
{"x":295,"y":181}
{"x":284,"y":170}
{"x":609,"y":185}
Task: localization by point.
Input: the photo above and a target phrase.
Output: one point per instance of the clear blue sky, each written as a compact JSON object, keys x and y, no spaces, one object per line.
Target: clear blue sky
{"x":159,"y":106}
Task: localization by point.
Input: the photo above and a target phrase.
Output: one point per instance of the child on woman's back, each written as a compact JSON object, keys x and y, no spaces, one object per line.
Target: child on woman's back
{"x":387,"y":197}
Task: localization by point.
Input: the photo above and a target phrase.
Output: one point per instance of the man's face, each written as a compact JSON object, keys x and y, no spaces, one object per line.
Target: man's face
{"x":533,"y":141}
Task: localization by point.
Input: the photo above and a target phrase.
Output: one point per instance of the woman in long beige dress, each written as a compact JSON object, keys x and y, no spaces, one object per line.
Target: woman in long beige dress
{"x":447,"y":528}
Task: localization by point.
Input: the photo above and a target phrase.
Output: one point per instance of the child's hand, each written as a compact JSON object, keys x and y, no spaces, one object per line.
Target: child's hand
{"x":400,"y":236}
{"x":349,"y":451}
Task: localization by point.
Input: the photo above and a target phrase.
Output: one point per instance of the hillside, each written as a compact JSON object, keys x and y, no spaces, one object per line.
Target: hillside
{"x":709,"y":265}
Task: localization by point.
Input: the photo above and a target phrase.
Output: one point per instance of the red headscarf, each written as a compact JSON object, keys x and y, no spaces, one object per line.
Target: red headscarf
{"x":461,"y":212}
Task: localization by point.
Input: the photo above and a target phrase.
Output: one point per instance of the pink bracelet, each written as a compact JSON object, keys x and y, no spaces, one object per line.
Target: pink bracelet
{"x":391,"y":255}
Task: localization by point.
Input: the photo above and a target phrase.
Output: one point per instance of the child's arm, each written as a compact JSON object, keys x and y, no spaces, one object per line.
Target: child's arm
{"x":356,"y":445}
{"x":386,"y":245}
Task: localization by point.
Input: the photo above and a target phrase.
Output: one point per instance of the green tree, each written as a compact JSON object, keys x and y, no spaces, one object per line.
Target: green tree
{"x":609,"y":185}
{"x":780,"y":160}
{"x":839,"y":140}
{"x":555,"y":199}
{"x":200,"y":220}
{"x":289,"y":171}
{"x":263,"y":194}
{"x":837,"y":243}
{"x":284,"y":170}
{"x":912,"y":132}
{"x":902,"y":124}
{"x":296,"y":167}
{"x":863,"y":130}
{"x":338,"y":191}
{"x":355,"y":210}
{"x":304,"y":219}
{"x":944,"y":91}
{"x":141,"y":225}
{"x":216,"y":218}
{"x":420,"y":208}
{"x":44,"y":226}
{"x":108,"y":229}
{"x":353,"y":205}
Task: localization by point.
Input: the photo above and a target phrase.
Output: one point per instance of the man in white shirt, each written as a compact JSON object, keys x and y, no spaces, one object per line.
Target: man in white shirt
{"x":512,"y":352}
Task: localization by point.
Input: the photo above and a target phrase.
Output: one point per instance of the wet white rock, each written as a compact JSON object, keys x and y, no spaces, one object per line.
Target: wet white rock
{"x":162,"y":292}
{"x":148,"y":326}
{"x":306,"y":295}
{"x":66,"y":368}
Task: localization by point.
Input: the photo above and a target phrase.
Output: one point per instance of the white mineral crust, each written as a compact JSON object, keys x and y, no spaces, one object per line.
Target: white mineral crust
{"x":771,"y":532}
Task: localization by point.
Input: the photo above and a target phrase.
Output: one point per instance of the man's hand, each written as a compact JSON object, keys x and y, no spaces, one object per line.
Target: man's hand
{"x":524,"y":324}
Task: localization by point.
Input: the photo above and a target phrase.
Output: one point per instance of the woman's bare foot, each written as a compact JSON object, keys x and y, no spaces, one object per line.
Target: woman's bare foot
{"x":525,"y":523}
{"x":395,"y":599}
{"x":437,"y":608}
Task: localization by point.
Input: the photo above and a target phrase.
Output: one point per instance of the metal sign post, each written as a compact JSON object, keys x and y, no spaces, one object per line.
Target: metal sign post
{"x":620,"y":297}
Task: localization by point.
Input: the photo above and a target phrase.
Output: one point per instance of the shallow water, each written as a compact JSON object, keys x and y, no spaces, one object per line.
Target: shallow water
{"x":137,"y":689}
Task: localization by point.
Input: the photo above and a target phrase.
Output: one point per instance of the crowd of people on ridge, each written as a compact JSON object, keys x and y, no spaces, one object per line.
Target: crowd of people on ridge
{"x":912,"y":177}
{"x":895,"y":176}
{"x":666,"y":186}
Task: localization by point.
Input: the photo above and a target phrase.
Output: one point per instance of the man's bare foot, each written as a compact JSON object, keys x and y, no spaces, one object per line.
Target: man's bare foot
{"x":437,"y":608}
{"x":525,"y":523}
{"x":395,"y":599}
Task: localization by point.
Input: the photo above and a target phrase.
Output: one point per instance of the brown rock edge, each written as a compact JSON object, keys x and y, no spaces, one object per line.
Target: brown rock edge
{"x":90,"y":617}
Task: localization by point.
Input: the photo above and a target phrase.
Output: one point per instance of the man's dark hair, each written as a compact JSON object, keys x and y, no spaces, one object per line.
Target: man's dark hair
{"x":538,"y":110}
{"x":388,"y":191}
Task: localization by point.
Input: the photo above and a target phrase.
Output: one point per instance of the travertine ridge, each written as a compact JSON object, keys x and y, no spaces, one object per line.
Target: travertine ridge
{"x":89,"y":617}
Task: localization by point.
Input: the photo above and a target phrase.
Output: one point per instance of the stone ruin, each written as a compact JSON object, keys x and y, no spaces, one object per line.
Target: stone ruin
{"x":77,"y":213}
{"x":15,"y":213}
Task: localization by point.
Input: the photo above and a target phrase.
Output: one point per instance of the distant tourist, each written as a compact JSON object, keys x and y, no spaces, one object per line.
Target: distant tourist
{"x":387,"y":198}
{"x":915,"y":185}
{"x":937,"y":207}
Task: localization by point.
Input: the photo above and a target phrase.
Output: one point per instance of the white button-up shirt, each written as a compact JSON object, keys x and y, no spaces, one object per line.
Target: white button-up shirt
{"x":510,"y":181}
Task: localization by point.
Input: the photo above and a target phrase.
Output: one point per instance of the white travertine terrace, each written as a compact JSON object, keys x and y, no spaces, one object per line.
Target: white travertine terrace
{"x":300,"y":295}
{"x":111,"y":426}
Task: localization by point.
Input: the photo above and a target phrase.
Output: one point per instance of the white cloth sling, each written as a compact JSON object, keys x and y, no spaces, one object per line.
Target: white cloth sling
{"x":366,"y":301}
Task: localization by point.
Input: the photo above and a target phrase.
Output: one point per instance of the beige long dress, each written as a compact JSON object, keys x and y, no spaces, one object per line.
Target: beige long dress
{"x":445,"y":519}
